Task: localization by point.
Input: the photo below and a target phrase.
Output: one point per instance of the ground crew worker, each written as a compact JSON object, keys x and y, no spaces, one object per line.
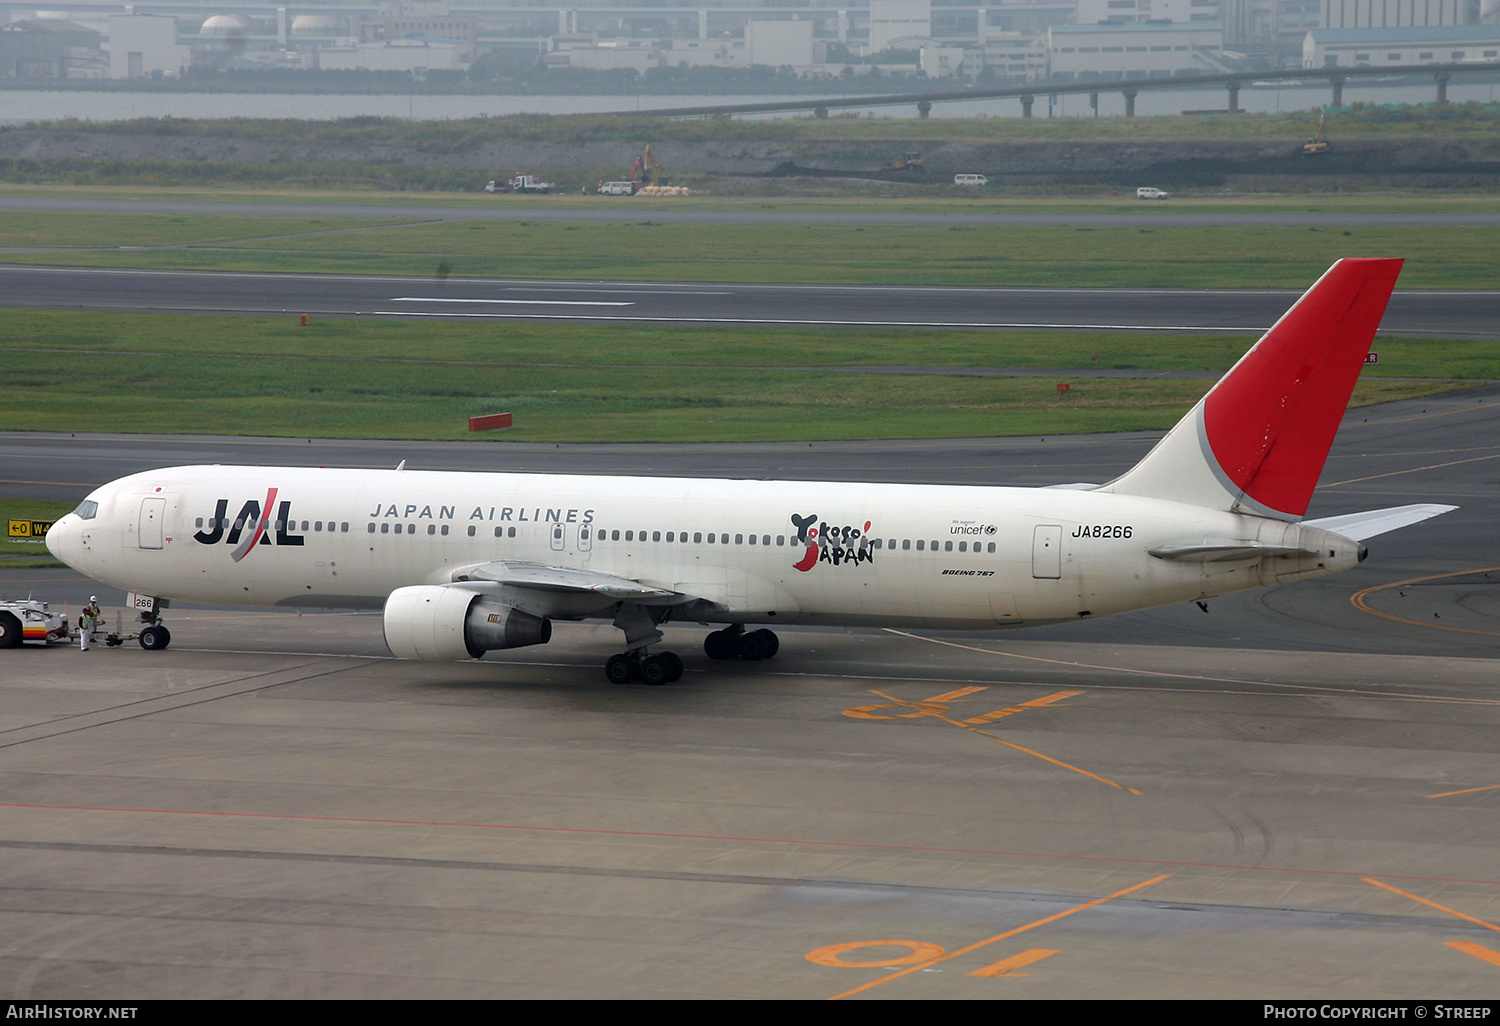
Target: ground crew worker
{"x":88,"y":622}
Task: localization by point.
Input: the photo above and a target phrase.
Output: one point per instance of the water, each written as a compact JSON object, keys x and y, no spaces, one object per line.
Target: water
{"x":17,"y":106}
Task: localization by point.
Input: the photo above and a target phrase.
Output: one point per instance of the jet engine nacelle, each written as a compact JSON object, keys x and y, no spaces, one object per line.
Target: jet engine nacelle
{"x":436,"y":623}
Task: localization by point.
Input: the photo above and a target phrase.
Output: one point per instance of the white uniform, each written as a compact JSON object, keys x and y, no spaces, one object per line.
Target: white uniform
{"x":88,"y":623}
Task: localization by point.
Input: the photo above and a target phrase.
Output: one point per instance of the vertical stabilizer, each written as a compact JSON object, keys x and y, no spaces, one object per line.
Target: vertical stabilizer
{"x":1257,"y":441}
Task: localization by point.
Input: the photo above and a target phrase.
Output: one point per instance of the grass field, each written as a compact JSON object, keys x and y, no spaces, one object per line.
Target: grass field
{"x":390,"y":379}
{"x":1165,"y":256}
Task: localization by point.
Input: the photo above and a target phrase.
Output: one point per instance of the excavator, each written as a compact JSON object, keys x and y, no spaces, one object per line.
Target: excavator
{"x":1317,"y":144}
{"x":640,"y":167}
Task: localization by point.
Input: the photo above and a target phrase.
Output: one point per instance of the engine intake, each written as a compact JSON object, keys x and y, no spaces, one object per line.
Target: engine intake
{"x":437,"y":623}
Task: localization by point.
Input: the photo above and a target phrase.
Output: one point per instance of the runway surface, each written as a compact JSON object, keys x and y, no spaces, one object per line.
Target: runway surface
{"x":544,"y":208}
{"x":1457,"y":314}
{"x":1293,"y":796}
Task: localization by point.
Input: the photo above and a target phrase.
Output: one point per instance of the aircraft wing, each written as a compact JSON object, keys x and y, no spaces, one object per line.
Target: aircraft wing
{"x":1359,"y":526}
{"x":541,"y":577}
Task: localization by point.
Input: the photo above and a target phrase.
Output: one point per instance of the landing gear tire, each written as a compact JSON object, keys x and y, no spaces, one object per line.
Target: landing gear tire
{"x":721,"y":645}
{"x":155,"y":638}
{"x":736,"y":643}
{"x":656,"y":670}
{"x":620,"y":669}
{"x":754,"y":647}
{"x":662,"y":668}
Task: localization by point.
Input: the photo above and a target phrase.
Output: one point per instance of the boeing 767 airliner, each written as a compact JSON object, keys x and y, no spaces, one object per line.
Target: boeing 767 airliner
{"x":465,"y":563}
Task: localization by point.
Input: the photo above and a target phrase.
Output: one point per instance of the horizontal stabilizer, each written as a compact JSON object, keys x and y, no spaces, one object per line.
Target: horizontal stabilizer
{"x":1223,"y":553}
{"x":540,"y":577}
{"x":1076,"y":486}
{"x":1359,"y":526}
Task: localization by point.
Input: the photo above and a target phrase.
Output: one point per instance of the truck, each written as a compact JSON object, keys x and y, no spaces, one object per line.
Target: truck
{"x":520,"y":183}
{"x":30,"y":622}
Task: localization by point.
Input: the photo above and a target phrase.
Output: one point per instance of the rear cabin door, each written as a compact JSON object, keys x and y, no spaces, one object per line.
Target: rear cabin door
{"x":1046,"y":552}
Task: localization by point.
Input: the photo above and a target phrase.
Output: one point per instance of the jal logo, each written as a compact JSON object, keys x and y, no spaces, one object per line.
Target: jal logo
{"x":826,"y":543}
{"x":251,"y":526}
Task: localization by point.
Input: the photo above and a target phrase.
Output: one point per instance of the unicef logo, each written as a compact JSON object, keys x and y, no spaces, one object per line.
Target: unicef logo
{"x":989,"y":529}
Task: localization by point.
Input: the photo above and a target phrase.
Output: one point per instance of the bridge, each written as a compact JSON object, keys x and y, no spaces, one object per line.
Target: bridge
{"x":1129,"y":88}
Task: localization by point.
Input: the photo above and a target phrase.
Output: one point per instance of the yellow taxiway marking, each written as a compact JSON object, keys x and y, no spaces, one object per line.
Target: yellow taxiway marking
{"x":1467,"y":790}
{"x":1308,"y":688}
{"x":937,"y":705}
{"x":1009,"y":744}
{"x":1432,"y":904}
{"x":1479,"y":951}
{"x":1413,"y":470}
{"x":918,"y":951}
{"x":954,"y":696}
{"x":1358,"y":601}
{"x":1035,"y":703}
{"x":1427,"y":416}
{"x":1006,"y":966}
{"x":1000,"y":937}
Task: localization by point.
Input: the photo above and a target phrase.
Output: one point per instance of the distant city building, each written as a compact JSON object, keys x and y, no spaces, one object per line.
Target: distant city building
{"x":1115,"y":51}
{"x":1360,"y":14}
{"x":892,"y":21}
{"x":46,"y":49}
{"x":418,"y":19}
{"x":1370,"y":48}
{"x":145,"y":46}
{"x":1093,"y":12}
{"x":778,"y":43}
{"x":409,"y":55}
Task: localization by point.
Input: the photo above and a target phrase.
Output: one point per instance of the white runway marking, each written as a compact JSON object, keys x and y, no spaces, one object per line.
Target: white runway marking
{"x":517,"y":302}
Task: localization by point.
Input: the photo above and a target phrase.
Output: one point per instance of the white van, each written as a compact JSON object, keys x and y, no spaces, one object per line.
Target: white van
{"x":1146,"y":192}
{"x":978,"y":180}
{"x":621,"y":188}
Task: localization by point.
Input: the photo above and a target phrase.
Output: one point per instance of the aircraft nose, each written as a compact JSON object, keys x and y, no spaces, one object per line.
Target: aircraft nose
{"x":62,"y":539}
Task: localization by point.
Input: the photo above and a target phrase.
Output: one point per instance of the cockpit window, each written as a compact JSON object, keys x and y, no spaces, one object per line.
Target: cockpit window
{"x":87,"y":509}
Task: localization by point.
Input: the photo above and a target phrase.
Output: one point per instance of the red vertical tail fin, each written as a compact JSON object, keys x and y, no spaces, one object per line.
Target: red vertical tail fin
{"x":1258,"y":440}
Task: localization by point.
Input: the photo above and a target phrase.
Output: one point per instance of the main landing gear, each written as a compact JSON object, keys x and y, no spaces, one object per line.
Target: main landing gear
{"x":662,"y":668}
{"x":733,"y":642}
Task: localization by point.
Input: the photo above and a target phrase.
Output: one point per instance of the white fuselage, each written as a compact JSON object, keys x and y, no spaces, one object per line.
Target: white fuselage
{"x":753,"y":551}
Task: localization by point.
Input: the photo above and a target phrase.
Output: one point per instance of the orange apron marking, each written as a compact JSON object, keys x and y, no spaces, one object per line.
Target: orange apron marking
{"x":1308,"y":688}
{"x":1467,"y":790}
{"x":926,"y":707}
{"x":1011,"y":744}
{"x":1479,"y":951}
{"x":1035,"y":703}
{"x":1358,"y":601}
{"x":830,"y":956}
{"x":1005,"y":966}
{"x":1432,"y":904}
{"x":1003,"y":936}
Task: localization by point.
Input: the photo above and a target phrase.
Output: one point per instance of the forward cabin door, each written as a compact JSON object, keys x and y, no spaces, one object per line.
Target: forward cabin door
{"x":153,"y":512}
